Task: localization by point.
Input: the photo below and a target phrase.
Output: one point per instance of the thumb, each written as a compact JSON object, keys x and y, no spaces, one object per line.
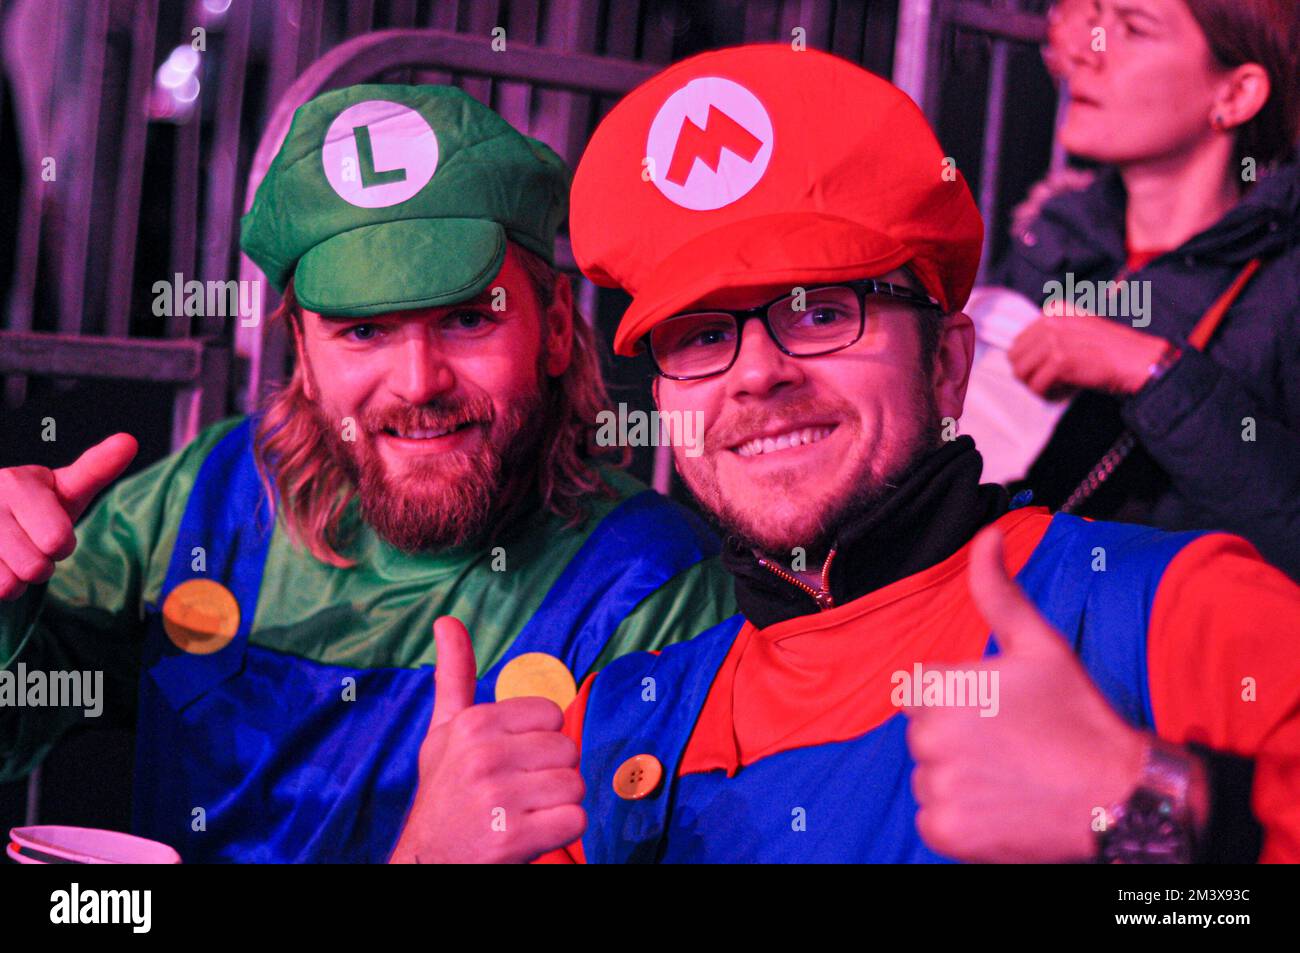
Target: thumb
{"x":1019,"y":626}
{"x":455,"y":678}
{"x":77,"y":483}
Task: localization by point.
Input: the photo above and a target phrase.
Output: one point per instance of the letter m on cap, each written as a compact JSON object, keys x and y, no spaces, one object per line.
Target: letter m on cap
{"x":720,"y":132}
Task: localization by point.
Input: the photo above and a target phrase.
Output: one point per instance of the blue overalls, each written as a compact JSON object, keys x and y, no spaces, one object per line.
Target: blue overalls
{"x":249,"y":754}
{"x":848,"y":801}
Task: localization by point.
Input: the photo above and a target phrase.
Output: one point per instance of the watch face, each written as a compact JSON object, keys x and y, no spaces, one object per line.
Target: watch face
{"x":1148,"y":832}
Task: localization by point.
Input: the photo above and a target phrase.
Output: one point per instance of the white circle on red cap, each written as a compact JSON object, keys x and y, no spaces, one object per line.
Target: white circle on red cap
{"x":400,"y":140}
{"x":710,"y":142}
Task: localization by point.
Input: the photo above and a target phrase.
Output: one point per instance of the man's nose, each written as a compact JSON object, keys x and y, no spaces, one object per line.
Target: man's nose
{"x":420,"y":370}
{"x":761,"y":367}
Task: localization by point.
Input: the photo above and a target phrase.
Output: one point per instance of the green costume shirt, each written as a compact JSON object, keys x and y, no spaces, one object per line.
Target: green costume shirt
{"x":297,"y":741}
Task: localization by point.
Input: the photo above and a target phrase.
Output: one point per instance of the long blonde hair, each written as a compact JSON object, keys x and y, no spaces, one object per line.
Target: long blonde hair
{"x":298,"y":471}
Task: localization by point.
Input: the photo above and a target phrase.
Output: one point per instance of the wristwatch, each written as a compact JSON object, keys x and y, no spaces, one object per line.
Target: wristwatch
{"x":1155,"y":824}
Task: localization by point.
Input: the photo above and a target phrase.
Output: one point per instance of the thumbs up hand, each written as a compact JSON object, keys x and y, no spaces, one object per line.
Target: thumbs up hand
{"x":38,"y":507}
{"x":1022,"y":785}
{"x":498,"y":782}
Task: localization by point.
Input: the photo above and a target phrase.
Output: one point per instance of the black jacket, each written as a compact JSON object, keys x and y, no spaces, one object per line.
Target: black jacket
{"x":935,"y":511}
{"x":1194,"y":469}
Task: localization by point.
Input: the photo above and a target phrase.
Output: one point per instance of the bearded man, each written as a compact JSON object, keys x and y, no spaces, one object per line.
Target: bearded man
{"x":263,"y":600}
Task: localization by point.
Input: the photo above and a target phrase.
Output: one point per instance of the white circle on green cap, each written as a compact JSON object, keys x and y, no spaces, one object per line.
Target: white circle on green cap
{"x":710,"y":142}
{"x":379,"y":153}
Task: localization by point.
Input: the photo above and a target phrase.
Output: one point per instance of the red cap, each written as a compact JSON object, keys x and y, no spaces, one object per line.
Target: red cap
{"x":763,"y":167}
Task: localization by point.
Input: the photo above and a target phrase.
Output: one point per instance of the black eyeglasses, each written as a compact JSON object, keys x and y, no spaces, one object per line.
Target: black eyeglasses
{"x":810,"y":323}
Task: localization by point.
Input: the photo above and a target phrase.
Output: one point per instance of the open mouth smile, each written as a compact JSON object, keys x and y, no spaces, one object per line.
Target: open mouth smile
{"x":427,"y":434}
{"x":785,"y":440}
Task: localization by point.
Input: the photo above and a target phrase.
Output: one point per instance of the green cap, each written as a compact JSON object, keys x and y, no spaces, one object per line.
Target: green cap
{"x":388,"y":198}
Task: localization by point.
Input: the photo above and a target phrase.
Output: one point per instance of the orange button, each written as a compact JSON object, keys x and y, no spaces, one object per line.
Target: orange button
{"x":200,"y":616}
{"x":638,"y":777}
{"x":537,"y":675}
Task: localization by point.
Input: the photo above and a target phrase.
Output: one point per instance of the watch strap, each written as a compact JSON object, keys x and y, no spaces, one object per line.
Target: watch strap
{"x":1159,"y":367}
{"x":1233,"y":834}
{"x":1156,"y":814}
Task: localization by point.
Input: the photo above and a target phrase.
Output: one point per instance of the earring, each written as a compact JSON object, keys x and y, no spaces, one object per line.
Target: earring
{"x":1217,"y":121}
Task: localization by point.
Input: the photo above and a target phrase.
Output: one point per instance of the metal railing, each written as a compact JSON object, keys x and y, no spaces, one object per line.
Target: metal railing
{"x":94,"y":98}
{"x":925,"y":40}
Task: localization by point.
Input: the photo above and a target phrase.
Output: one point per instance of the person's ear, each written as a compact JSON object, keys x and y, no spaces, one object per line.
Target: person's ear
{"x":952,"y":363}
{"x":1239,"y":98}
{"x":559,"y":328}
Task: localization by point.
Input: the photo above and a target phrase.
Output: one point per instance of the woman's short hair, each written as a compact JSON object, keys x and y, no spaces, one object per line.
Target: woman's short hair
{"x":1266,"y":32}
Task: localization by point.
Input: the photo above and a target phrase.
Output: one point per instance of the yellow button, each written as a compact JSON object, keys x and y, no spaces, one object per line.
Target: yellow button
{"x":638,"y":777}
{"x":200,"y":616}
{"x":536,"y":675}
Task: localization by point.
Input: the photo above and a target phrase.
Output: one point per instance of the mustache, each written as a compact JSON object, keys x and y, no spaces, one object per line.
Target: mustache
{"x":443,"y":414}
{"x":739,"y":426}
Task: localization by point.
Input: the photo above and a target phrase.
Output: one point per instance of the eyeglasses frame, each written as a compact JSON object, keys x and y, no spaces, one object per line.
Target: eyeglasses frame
{"x":863,"y":287}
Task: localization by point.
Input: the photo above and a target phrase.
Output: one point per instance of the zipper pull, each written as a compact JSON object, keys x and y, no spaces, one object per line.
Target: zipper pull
{"x":825,"y":594}
{"x":820,"y":596}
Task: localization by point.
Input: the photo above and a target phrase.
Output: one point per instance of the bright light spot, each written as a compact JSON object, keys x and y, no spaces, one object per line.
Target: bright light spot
{"x":185,"y":58}
{"x":188,"y":91}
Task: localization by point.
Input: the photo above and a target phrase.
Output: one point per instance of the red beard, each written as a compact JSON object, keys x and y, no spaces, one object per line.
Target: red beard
{"x":450,"y":499}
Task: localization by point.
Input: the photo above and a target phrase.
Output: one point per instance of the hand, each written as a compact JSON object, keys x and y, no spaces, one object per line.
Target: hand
{"x":498,"y":782}
{"x":38,"y":507}
{"x":1023,"y":785}
{"x":1061,"y":353}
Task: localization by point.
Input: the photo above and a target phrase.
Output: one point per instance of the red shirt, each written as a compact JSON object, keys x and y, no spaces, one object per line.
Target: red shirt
{"x":1221,"y":617}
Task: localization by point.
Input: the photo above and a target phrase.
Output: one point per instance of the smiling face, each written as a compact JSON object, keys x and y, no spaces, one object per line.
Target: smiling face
{"x":443,"y":402}
{"x":793,"y":446}
{"x":1149,"y":94}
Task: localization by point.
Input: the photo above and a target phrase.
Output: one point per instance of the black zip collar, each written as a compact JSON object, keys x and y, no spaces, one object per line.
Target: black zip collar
{"x":933,"y":513}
